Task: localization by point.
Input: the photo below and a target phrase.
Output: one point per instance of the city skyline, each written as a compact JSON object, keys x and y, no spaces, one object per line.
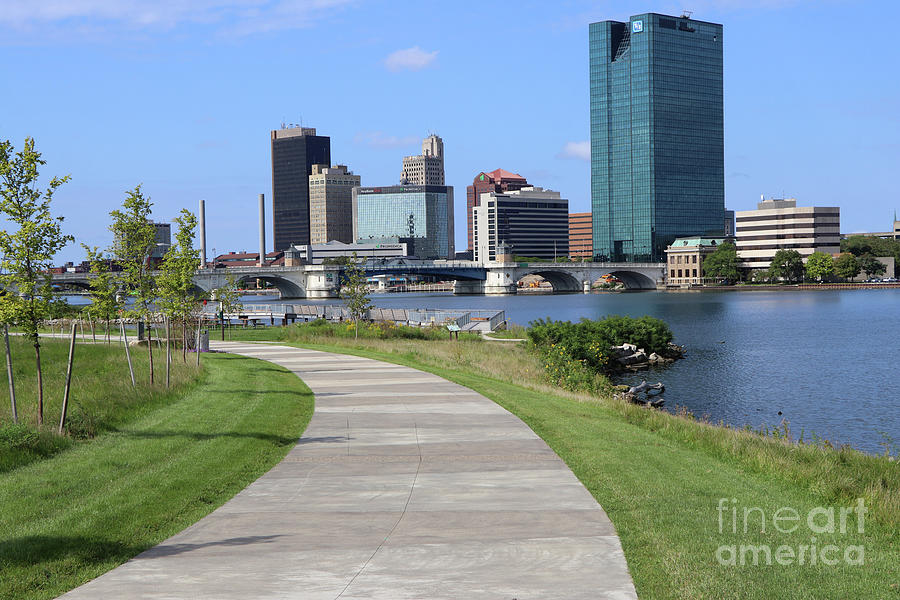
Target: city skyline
{"x":183,"y":101}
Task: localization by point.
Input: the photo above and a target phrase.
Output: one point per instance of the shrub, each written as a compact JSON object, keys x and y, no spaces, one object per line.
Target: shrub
{"x":589,"y":341}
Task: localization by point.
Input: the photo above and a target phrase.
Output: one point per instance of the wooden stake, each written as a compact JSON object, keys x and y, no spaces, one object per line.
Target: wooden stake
{"x":93,"y":335}
{"x":65,"y":404}
{"x":197,"y":348}
{"x":127,"y":353}
{"x":168,"y":352}
{"x":81,"y":324}
{"x":9,"y":374}
{"x":150,"y":348}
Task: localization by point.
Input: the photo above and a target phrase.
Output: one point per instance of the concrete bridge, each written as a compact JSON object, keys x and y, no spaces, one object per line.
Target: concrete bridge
{"x":323,"y":281}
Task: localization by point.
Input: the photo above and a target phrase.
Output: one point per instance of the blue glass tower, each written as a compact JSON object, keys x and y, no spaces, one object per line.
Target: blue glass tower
{"x":657,"y":141}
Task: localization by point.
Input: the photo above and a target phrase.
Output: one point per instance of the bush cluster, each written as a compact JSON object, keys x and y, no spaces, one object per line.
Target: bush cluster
{"x":589,"y":341}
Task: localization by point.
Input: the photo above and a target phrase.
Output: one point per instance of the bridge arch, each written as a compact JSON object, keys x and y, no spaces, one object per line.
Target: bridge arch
{"x":634,"y":280}
{"x":288,"y":288}
{"x":563,"y":282}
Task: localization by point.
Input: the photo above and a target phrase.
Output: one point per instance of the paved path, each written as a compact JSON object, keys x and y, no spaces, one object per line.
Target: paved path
{"x":404,"y":486}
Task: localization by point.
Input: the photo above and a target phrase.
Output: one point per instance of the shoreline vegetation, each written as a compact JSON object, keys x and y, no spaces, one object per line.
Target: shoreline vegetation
{"x":660,"y":476}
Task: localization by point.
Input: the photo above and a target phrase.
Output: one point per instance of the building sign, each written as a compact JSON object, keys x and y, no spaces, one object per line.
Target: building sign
{"x":637,"y":26}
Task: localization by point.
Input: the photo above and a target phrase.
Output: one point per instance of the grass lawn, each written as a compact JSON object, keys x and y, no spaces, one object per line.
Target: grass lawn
{"x":660,"y":478}
{"x":152,"y":471}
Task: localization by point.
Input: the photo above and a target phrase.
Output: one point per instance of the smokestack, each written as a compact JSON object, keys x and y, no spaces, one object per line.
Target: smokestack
{"x":202,"y":234}
{"x":262,"y":230}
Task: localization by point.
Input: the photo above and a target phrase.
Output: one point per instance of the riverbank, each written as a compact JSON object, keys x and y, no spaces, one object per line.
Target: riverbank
{"x":66,"y":519}
{"x":661,"y":477}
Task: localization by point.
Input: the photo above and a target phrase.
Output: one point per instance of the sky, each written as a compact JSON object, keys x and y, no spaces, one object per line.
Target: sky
{"x":181,"y":96}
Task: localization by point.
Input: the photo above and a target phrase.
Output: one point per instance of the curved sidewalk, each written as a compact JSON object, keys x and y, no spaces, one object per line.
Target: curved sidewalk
{"x":404,"y":486}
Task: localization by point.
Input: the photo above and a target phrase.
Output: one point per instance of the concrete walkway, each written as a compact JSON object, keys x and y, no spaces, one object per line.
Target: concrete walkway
{"x":404,"y":486}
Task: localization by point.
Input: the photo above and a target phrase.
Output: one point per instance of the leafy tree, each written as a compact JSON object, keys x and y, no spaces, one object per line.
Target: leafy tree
{"x":819,"y":266}
{"x":846,"y":266}
{"x":787,"y":265}
{"x":355,"y":292}
{"x":871,"y":266}
{"x":229,"y":299}
{"x":860,"y":245}
{"x":27,"y":245}
{"x":104,"y":287}
{"x":175,"y":283}
{"x":336,"y":260}
{"x":722,"y":263}
{"x":133,"y":241}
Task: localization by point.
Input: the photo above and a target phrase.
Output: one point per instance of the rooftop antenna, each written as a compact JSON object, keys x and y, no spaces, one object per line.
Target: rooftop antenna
{"x":686,"y":14}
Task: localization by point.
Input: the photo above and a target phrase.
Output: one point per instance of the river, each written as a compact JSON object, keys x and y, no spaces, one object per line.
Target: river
{"x":824,"y":362}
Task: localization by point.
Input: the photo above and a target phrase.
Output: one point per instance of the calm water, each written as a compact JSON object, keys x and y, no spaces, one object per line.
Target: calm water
{"x":827,"y":360}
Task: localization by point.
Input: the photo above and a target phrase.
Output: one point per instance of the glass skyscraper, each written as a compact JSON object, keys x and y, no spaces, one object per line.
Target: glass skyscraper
{"x":657,"y":142}
{"x":420,"y":215}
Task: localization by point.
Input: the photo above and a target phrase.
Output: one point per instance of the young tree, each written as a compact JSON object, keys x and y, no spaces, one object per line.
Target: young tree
{"x":819,"y":266}
{"x":787,"y":265}
{"x":846,"y":266}
{"x":28,"y":246}
{"x":229,"y":299}
{"x":355,"y":292}
{"x":722,"y":263}
{"x":133,"y":241}
{"x":104,"y":287}
{"x":871,"y":266}
{"x":176,"y":278}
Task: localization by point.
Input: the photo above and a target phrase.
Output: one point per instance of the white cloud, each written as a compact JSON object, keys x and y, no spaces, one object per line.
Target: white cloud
{"x":232,"y":16}
{"x":412,"y":59}
{"x":576,"y":150}
{"x":377,"y":139}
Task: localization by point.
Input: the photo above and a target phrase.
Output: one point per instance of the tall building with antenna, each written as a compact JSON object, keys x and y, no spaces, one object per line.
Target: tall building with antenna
{"x":295,"y":150}
{"x":657,"y":135}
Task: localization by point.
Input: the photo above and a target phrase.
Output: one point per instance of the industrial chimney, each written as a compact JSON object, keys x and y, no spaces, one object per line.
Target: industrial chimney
{"x":262,"y":230}
{"x":202,"y":234}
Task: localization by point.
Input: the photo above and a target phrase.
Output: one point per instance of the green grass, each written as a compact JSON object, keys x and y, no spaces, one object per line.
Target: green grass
{"x":660,"y":478}
{"x":71,"y":517}
{"x":513,"y":332}
{"x":101,"y":394}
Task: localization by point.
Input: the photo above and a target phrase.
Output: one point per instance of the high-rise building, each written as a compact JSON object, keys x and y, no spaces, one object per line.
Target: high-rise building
{"x":494,"y":181}
{"x":729,"y":223}
{"x":580,"y":237}
{"x":426,"y":168}
{"x":657,"y":143}
{"x":294,"y":152}
{"x":162,"y":240}
{"x":531,"y":222}
{"x":331,"y":204}
{"x":779,"y":224}
{"x":420,"y":216}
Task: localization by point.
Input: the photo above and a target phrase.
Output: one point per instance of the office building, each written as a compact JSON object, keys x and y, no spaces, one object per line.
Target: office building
{"x":162,"y":239}
{"x":684,"y":260}
{"x":530,"y":222}
{"x":419,"y":215}
{"x":580,"y":236}
{"x":294,"y":152}
{"x":729,"y":223}
{"x":779,"y":224}
{"x":331,"y":204}
{"x":316,"y":254}
{"x":657,"y":143}
{"x":494,"y":181}
{"x":426,"y":168}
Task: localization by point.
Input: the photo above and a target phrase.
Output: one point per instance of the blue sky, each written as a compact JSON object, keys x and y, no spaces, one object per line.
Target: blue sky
{"x":181,"y":96}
